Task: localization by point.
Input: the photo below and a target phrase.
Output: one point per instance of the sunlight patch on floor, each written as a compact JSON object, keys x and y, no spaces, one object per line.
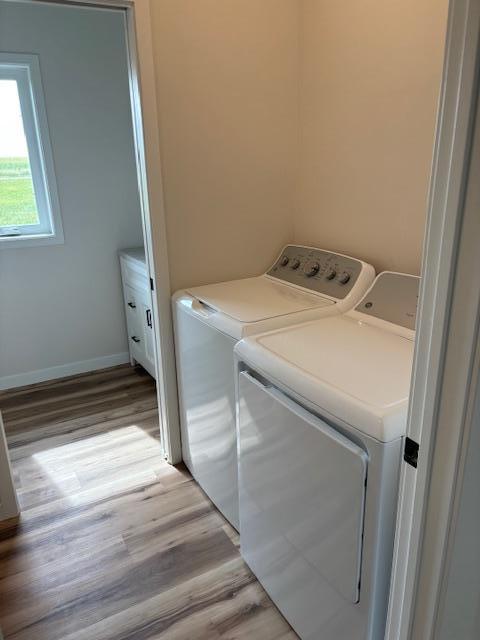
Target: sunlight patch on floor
{"x":121,"y":458}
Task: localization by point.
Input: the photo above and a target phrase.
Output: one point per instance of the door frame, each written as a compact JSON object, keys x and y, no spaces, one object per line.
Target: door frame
{"x":9,"y":507}
{"x":149,"y":167}
{"x":446,"y":338}
{"x":145,"y":121}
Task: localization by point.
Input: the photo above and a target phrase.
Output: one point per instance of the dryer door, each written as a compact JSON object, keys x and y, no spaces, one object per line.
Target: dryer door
{"x":302,"y":493}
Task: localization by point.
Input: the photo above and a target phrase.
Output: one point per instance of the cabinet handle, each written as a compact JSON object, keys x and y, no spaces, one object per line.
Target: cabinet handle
{"x":149,"y":318}
{"x":131,"y":305}
{"x":135,"y":339}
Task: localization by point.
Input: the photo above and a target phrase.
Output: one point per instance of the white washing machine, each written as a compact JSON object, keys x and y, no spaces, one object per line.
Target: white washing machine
{"x":304,"y":283}
{"x":322,"y":411}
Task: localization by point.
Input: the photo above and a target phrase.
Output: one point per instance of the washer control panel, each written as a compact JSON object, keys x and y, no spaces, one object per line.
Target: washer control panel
{"x":394,"y":298}
{"x":321,"y":271}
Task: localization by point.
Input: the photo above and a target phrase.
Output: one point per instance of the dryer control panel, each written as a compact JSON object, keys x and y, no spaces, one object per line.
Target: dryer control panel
{"x":321,"y":271}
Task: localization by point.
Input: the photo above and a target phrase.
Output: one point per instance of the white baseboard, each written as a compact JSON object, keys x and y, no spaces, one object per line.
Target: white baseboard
{"x":63,"y":370}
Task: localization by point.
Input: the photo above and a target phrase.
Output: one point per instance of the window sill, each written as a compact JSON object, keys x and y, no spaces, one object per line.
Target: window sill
{"x":21,"y":242}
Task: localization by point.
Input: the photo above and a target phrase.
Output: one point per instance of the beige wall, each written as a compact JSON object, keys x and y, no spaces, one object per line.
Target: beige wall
{"x":369,"y":81}
{"x":306,"y":120}
{"x":227,"y":75}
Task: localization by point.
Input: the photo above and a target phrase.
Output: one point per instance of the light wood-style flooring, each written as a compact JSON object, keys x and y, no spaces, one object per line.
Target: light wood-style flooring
{"x":114,"y":543}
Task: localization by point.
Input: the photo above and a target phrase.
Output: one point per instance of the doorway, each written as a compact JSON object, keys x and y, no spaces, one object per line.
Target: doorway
{"x":64,"y":296}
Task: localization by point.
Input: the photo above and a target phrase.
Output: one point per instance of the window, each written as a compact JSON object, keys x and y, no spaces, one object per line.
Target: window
{"x":29,"y":210}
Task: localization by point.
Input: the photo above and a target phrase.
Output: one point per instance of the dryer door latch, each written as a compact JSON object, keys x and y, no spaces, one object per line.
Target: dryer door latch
{"x":410,"y":452}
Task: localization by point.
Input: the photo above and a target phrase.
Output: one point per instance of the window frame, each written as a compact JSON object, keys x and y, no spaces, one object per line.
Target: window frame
{"x":25,"y":70}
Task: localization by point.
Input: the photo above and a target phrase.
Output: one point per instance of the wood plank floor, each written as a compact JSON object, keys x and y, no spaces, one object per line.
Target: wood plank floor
{"x":114,"y":543}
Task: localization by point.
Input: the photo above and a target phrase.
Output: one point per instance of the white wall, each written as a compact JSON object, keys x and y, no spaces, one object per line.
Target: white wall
{"x":62,"y":304}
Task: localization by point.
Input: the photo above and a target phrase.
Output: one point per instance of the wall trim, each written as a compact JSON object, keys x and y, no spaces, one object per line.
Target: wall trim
{"x":63,"y":370}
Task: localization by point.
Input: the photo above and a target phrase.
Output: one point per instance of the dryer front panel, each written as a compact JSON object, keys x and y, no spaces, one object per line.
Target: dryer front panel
{"x":302,"y":495}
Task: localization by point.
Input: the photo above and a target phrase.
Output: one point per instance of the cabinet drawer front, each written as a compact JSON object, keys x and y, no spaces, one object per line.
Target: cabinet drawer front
{"x":131,"y":300}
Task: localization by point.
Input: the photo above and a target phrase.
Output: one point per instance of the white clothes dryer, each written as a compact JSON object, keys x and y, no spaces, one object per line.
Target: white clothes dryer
{"x":322,"y":410}
{"x":304,"y":283}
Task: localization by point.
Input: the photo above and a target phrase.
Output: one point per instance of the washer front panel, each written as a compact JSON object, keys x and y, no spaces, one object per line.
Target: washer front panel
{"x":332,"y":274}
{"x":207,"y":410}
{"x":302,"y":496}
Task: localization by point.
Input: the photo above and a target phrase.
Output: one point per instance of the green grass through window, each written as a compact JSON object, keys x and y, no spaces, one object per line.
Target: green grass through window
{"x":17,"y":198}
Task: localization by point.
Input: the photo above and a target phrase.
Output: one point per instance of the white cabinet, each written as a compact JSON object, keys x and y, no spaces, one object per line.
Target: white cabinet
{"x":138,"y":308}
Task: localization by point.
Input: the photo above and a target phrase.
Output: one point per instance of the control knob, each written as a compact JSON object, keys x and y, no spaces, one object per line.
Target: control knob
{"x":295,"y":263}
{"x":344,"y":277}
{"x":284,"y":261}
{"x":330,"y":274}
{"x":311,"y":269}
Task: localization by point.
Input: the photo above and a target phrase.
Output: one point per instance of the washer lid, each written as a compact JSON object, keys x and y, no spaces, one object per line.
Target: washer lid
{"x":357,"y":372}
{"x":255,"y":299}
